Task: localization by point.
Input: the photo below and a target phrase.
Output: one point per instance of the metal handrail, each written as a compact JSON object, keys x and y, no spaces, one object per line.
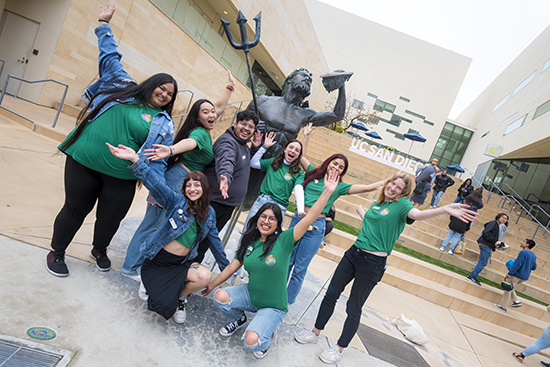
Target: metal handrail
{"x":188,"y":106}
{"x":2,"y":67}
{"x":237,"y":109}
{"x":528,"y":196}
{"x":33,"y":82}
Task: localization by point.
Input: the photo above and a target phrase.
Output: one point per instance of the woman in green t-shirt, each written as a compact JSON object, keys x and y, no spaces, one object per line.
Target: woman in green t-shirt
{"x":365,"y":261}
{"x":265,"y":253}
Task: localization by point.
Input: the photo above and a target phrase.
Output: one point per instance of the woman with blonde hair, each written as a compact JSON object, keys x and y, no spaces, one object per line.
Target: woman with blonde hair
{"x":365,"y":261}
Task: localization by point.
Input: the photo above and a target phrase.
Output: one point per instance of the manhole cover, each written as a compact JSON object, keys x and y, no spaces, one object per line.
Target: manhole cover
{"x":390,"y":349}
{"x":41,"y":333}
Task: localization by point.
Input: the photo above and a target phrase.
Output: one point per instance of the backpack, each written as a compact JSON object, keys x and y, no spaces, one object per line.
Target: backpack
{"x":419,"y":188}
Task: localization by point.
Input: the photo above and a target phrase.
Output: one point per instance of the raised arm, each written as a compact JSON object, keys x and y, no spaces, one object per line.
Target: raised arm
{"x":459,"y":211}
{"x":304,"y":162}
{"x":268,"y":143}
{"x":323,"y":118}
{"x":359,"y":188}
{"x":331,"y":181}
{"x":221,"y":103}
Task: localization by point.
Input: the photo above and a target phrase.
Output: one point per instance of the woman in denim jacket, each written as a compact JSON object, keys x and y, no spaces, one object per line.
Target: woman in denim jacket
{"x":169,"y":273}
{"x":118,"y":109}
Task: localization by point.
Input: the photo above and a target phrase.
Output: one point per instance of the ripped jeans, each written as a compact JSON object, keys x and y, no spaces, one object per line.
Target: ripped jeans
{"x":264,"y":323}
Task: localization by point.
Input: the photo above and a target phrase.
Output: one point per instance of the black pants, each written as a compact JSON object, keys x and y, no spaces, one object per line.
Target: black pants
{"x":223,"y":214}
{"x":83,"y":188}
{"x":367,"y":269}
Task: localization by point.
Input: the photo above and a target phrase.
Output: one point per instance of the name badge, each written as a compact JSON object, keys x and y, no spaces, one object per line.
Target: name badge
{"x":173,"y":223}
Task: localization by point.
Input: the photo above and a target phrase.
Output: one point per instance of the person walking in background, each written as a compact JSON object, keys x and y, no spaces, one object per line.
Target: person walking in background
{"x":421,"y":192}
{"x":542,"y":342}
{"x":464,"y":190}
{"x":520,"y":272}
{"x":428,"y":170}
{"x":442,"y":182}
{"x":487,"y":243}
{"x":476,"y":199}
{"x":457,"y":228}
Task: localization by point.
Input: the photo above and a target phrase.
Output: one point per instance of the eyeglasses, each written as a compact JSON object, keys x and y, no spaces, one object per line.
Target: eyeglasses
{"x":271,"y":219}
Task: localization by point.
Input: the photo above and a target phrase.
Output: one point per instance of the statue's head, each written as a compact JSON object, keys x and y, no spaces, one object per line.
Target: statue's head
{"x":299,"y":81}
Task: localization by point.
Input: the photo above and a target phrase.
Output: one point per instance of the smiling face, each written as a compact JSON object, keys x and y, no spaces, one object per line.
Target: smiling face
{"x":267,"y":223}
{"x":161,"y":96}
{"x":292,"y":151}
{"x":337,"y":165}
{"x":503,"y":219}
{"x":193,"y":190}
{"x":207,"y":115}
{"x":394,"y":188}
{"x":244,"y":129}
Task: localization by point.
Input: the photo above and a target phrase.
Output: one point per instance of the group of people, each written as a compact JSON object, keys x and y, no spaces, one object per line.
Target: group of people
{"x":194,"y":188}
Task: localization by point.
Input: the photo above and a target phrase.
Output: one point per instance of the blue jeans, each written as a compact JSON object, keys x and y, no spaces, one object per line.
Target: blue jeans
{"x":266,"y":321}
{"x":436,"y":197}
{"x":459,"y":200}
{"x":367,"y":270}
{"x":302,"y":255}
{"x":452,"y":236}
{"x":260,"y":201}
{"x":542,"y":343}
{"x":484,"y":256}
{"x":153,"y":219}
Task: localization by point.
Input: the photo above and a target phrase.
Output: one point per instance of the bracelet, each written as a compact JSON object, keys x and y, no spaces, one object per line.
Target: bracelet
{"x":230,"y":87}
{"x":171,"y":147}
{"x":103,"y":20}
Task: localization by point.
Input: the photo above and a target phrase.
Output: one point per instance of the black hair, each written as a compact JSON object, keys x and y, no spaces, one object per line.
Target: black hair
{"x":248,"y":115}
{"x":278,"y":161}
{"x":500,"y":215}
{"x":191,"y":123}
{"x":252,"y":234}
{"x":134,"y":93}
{"x":531,"y":243}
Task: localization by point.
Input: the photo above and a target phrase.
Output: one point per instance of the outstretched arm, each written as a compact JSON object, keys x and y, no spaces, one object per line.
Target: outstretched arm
{"x":358,"y":189}
{"x":224,"y":275}
{"x":163,"y":151}
{"x":323,"y":118}
{"x":221,"y":103}
{"x":459,"y":211}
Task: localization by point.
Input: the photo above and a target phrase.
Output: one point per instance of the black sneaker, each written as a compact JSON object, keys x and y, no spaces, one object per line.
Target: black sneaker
{"x":101,"y":260}
{"x":473,"y":280}
{"x":545,"y":364}
{"x":260,"y":354}
{"x":56,"y":264}
{"x":230,"y":328}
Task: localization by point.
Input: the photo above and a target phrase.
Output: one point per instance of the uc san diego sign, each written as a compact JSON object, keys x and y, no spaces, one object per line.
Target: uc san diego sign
{"x":384,"y":156}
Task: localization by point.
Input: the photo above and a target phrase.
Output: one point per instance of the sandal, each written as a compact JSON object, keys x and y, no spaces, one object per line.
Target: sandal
{"x":519,"y":357}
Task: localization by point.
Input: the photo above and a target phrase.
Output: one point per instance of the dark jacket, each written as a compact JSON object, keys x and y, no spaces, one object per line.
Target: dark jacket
{"x":489,"y":236}
{"x":458,"y":226}
{"x":231,"y":159}
{"x":442,"y":182}
{"x":468,"y":189}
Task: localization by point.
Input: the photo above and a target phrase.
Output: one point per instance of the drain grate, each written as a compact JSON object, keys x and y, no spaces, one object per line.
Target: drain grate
{"x":390,"y":349}
{"x":15,"y":352}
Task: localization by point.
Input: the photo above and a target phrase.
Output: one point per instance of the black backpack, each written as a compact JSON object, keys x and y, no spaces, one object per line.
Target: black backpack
{"x":419,"y":188}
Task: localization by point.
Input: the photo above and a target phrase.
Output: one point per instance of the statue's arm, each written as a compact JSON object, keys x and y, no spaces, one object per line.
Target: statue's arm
{"x":323,"y":118}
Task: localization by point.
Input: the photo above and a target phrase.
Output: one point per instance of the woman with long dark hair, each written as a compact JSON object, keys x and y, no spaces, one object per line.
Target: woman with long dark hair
{"x":312,"y":240}
{"x":265,"y":253}
{"x":464,"y":190}
{"x":192,"y":151}
{"x":365,"y":261}
{"x":169,"y":273}
{"x":118,"y":109}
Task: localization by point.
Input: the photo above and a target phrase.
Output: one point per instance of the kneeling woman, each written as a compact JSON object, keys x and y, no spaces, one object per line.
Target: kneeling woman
{"x":168,"y":273}
{"x":265,"y":252}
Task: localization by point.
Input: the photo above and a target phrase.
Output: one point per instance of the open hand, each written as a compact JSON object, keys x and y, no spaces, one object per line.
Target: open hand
{"x":230,"y":79}
{"x":123,"y":152}
{"x":224,"y":186}
{"x":159,"y":152}
{"x":461,"y":211}
{"x":331,"y":180}
{"x":106,"y":12}
{"x":308,"y":129}
{"x":270,"y":140}
{"x":257,"y":141}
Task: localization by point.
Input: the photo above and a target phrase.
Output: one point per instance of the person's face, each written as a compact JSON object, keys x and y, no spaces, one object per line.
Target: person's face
{"x":394,"y":188}
{"x":292,"y":151}
{"x":244,"y":129}
{"x":267,"y":223}
{"x":502,"y":219}
{"x":337,"y":165}
{"x":301,"y":82}
{"x":207,"y":115}
{"x":524,"y":244}
{"x":161,"y":96}
{"x":193,"y":190}
{"x":444,"y":173}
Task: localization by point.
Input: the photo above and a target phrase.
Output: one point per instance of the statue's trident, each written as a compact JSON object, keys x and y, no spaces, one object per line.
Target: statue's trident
{"x":245,"y":44}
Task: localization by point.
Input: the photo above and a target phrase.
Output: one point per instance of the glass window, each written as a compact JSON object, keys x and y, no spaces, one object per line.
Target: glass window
{"x":383,"y":106}
{"x":546,"y":65}
{"x":357,"y":104}
{"x":372,"y":95}
{"x":428,"y":122}
{"x":542,"y":109}
{"x":167,"y":6}
{"x":524,"y":83}
{"x":499,"y":104}
{"x":405,"y":99}
{"x":514,"y":125}
{"x":415,"y":114}
{"x":508,"y":119}
{"x":396,"y":134}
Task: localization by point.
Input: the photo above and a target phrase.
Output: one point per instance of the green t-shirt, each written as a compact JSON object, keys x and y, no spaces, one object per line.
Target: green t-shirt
{"x":188,"y":237}
{"x":279,"y":184}
{"x":203,"y":154}
{"x":315,"y":188}
{"x":383,"y":224}
{"x":268,"y":275}
{"x":126,"y":124}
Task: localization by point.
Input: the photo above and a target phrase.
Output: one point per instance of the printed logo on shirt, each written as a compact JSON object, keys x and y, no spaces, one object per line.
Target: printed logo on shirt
{"x":244,"y":157}
{"x":385,"y":212}
{"x":146,"y":117}
{"x":270,"y":260}
{"x":316,"y":180}
{"x":288,"y":176}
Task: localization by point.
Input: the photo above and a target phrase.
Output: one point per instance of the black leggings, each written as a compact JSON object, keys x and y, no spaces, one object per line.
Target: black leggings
{"x":83,"y":188}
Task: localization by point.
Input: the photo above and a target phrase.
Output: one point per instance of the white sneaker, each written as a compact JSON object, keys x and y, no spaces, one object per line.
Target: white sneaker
{"x":450,"y":252}
{"x":142,"y":293}
{"x":260,"y":354}
{"x":181,"y":311}
{"x":306,"y":336}
{"x":331,"y":355}
{"x":442,"y":249}
{"x":132,"y":274}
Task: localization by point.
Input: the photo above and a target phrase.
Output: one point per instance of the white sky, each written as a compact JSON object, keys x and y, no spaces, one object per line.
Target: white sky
{"x":490,"y":32}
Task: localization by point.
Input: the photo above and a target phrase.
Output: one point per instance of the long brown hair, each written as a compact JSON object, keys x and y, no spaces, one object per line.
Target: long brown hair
{"x":320,"y":171}
{"x":406,"y":190}
{"x":200,"y":206}
{"x":279,"y":159}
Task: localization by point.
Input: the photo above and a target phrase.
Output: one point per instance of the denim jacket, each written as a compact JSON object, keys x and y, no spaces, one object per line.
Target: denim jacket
{"x":178,"y":219}
{"x":113,"y":75}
